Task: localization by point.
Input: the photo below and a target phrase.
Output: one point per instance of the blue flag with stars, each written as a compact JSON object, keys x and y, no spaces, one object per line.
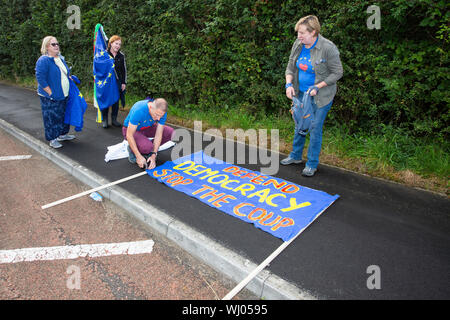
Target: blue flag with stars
{"x":106,"y":90}
{"x":76,"y":105}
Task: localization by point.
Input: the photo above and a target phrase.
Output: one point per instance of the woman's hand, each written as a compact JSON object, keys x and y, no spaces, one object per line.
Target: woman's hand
{"x":290,"y":92}
{"x":48,"y":90}
{"x":314,"y":90}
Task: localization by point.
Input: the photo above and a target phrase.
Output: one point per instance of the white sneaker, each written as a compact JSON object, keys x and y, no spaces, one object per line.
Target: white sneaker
{"x":66,"y":137}
{"x":289,"y":160}
{"x":308,"y":171}
{"x":55,"y":144}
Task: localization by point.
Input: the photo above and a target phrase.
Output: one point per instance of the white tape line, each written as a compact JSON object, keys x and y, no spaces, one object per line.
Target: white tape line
{"x":93,"y":190}
{"x":77,"y":251}
{"x":266,"y":262}
{"x":15,"y":157}
{"x":257,"y":270}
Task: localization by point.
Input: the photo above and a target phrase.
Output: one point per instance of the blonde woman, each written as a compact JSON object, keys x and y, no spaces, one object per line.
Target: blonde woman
{"x":52,"y":75}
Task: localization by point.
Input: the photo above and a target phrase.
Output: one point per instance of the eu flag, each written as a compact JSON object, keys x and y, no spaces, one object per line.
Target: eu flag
{"x":76,"y":105}
{"x":106,"y":91}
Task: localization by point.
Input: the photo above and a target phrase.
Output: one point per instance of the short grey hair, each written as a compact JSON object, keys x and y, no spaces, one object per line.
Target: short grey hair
{"x":161,"y":104}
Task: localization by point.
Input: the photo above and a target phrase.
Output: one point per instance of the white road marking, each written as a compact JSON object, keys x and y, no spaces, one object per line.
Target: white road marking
{"x":76,"y":251}
{"x":28,"y":156}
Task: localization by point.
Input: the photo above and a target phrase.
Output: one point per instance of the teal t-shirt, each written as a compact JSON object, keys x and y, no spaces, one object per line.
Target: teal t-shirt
{"x":140,"y":116}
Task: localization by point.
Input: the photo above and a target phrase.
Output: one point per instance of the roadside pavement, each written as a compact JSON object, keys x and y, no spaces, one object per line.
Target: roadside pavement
{"x":379,"y":240}
{"x":165,"y":273}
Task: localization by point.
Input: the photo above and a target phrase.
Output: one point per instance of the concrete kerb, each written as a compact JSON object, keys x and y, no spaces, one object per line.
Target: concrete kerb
{"x":266,"y":285}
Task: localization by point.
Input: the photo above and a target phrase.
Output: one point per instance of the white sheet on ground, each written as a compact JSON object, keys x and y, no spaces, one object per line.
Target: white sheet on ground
{"x":119,"y":151}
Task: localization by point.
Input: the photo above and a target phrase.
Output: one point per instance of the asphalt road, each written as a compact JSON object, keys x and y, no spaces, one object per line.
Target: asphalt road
{"x":165,"y":273}
{"x":377,"y":232}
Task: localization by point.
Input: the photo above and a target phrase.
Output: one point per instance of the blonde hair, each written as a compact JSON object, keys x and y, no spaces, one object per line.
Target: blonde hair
{"x":45,"y":43}
{"x":311,"y":22}
{"x":112,"y":39}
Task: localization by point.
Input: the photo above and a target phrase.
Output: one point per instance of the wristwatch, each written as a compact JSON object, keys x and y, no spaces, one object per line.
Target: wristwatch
{"x":288,"y":85}
{"x":153,"y":153}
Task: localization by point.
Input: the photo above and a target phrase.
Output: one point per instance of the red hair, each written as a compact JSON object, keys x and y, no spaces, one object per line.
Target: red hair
{"x":112,"y":39}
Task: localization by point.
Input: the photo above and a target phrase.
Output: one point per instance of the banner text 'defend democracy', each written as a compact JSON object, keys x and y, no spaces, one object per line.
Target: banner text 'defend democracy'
{"x":271,"y":204}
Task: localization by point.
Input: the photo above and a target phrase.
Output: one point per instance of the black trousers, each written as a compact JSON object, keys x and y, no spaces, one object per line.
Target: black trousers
{"x":114,"y":107}
{"x":114,"y":111}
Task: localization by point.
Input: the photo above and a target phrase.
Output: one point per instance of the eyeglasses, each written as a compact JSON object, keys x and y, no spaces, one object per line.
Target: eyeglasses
{"x":55,"y":44}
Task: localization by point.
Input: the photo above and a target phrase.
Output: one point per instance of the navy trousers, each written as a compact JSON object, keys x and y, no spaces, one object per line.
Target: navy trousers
{"x":53,"y":115}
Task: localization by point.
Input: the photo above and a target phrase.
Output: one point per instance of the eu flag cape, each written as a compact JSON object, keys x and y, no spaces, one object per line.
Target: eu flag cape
{"x":76,"y":105}
{"x":106,"y":92}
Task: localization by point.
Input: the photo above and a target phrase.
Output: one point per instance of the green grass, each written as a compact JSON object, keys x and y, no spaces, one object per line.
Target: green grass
{"x":391,"y":148}
{"x":386,"y":154}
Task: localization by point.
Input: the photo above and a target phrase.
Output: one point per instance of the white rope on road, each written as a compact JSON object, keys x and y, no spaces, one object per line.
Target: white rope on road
{"x":266,"y":262}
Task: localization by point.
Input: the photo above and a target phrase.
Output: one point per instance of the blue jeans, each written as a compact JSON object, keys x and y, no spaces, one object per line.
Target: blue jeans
{"x":53,"y":112}
{"x":315,"y":137}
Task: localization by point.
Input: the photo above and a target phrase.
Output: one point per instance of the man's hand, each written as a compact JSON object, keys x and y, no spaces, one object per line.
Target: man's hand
{"x":140,"y":160}
{"x":152,"y":160}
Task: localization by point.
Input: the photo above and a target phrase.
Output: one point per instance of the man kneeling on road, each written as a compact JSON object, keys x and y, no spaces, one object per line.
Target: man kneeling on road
{"x":146,"y":120}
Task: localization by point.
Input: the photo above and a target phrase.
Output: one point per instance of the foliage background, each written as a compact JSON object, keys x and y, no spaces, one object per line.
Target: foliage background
{"x":231,"y":54}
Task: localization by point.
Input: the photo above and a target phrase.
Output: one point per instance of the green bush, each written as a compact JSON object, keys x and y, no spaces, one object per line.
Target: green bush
{"x":231,"y":54}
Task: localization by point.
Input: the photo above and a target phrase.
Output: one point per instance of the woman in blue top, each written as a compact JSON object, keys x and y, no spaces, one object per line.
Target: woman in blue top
{"x":314,"y":67}
{"x":52,"y":75}
{"x":120,"y":71}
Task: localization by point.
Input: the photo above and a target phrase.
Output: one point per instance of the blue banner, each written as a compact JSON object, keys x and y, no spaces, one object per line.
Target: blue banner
{"x":106,"y":89}
{"x":277,"y":206}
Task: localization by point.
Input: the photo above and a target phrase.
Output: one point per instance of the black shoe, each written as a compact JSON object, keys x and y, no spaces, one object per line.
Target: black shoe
{"x":105,"y":124}
{"x":115,"y":123}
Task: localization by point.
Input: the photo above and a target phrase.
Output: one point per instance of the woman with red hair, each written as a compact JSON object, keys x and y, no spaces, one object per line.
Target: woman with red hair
{"x":120,"y":68}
